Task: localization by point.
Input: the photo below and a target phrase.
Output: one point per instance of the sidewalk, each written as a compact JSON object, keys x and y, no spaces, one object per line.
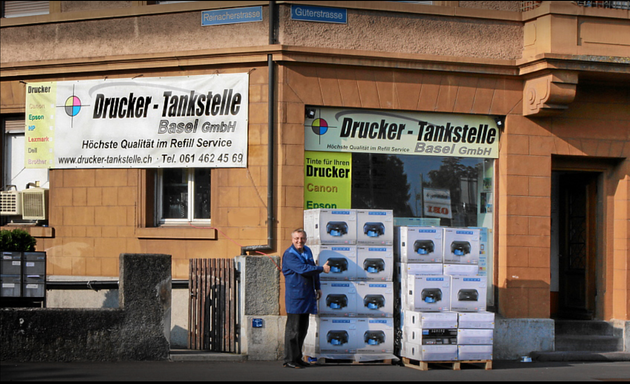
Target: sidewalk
{"x":227,"y":367}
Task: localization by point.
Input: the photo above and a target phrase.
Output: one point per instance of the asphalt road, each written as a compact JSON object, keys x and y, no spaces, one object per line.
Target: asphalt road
{"x":273,"y":371}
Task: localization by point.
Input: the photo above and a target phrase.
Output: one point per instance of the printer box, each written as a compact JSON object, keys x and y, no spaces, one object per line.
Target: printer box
{"x":481,"y":319}
{"x":430,"y":336}
{"x":339,"y":298}
{"x":421,"y":352}
{"x":375,"y":335}
{"x":375,"y":263}
{"x":461,"y":245}
{"x":428,"y":320}
{"x":424,"y":269}
{"x":468,"y":293}
{"x":375,"y":299}
{"x":339,"y":335}
{"x":475,"y":336}
{"x":342,"y":260}
{"x":428,"y":293}
{"x":331,"y":226}
{"x":474,"y":352}
{"x":406,"y":269}
{"x":420,"y":244}
{"x":375,"y":226}
{"x":461,"y":269}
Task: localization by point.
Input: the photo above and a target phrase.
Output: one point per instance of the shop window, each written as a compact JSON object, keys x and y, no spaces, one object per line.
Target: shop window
{"x":454,"y":190}
{"x":183,"y":195}
{"x":25,"y":8}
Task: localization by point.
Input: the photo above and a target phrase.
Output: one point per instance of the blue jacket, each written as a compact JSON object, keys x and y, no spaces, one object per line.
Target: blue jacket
{"x":301,"y":281}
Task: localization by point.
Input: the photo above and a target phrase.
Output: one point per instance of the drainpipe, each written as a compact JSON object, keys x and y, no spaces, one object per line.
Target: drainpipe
{"x":270,"y":145}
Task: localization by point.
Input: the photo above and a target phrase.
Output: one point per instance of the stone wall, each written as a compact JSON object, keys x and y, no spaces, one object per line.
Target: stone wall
{"x":138,"y":330}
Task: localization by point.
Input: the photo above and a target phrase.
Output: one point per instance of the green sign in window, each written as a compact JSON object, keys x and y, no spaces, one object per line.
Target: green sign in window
{"x":327,"y":180}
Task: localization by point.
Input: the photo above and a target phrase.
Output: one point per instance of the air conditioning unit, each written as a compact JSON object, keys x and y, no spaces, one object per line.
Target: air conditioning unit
{"x":10,"y":203}
{"x":34,"y":204}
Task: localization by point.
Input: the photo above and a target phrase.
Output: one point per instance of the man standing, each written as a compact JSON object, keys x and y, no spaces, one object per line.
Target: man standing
{"x":302,"y":290}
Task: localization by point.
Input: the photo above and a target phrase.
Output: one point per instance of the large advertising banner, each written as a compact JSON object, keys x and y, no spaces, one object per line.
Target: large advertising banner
{"x":171,"y":122}
{"x":401,"y":133}
{"x":327,"y":180}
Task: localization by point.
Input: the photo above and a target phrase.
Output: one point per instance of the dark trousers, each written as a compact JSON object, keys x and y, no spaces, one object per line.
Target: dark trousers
{"x":294,"y":335}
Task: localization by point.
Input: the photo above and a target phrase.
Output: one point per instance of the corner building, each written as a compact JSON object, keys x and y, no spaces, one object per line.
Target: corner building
{"x":510,"y":116}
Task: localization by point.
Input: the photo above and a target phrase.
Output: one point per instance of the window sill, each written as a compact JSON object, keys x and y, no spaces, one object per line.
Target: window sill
{"x":35,"y":231}
{"x":176,"y":232}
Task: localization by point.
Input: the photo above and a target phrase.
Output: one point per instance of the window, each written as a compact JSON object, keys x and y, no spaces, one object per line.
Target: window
{"x":455,"y":190}
{"x":183,"y":195}
{"x":25,"y":8}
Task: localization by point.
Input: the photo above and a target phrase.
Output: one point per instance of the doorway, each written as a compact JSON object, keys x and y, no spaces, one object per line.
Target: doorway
{"x":575,"y":238}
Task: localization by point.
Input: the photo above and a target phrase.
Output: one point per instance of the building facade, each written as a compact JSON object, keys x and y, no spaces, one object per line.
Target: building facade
{"x":547,"y":178}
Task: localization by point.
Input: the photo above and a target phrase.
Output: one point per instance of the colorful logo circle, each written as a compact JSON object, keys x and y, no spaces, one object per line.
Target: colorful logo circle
{"x":319,"y":126}
{"x":73,"y":106}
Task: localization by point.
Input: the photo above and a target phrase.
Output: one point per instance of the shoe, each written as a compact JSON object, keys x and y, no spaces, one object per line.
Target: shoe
{"x":292,"y":365}
{"x":302,"y":363}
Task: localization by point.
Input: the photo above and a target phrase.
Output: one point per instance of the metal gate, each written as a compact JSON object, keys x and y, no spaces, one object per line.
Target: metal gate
{"x":213,"y":307}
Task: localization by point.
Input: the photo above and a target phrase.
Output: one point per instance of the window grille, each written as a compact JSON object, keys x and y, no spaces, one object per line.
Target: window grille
{"x":25,"y":8}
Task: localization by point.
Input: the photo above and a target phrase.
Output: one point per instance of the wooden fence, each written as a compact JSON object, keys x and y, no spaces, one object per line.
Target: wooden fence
{"x":213,"y":306}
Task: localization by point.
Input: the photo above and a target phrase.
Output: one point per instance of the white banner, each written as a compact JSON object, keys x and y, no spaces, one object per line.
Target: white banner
{"x":170,"y":122}
{"x":401,"y":133}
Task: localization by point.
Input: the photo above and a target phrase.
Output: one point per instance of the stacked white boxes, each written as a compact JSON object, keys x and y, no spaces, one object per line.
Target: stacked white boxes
{"x":356,"y":309}
{"x":475,"y":335}
{"x":443,"y":313}
{"x":429,"y":336}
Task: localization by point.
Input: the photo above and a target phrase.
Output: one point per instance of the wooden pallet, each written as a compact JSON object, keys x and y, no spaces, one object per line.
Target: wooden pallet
{"x":454,"y":365}
{"x":325,"y":361}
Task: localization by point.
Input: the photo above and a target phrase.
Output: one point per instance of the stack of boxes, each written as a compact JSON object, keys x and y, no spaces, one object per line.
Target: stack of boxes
{"x":356,"y":309}
{"x":443,"y":299}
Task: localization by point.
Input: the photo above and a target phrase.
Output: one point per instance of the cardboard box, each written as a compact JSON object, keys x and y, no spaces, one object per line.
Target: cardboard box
{"x":375,"y":227}
{"x":461,"y":269}
{"x":406,"y":269}
{"x":375,"y":335}
{"x":422,"y":269}
{"x":342,"y":260}
{"x":425,"y":336}
{"x":481,"y":319}
{"x":339,"y":298}
{"x":339,"y":335}
{"x":428,"y":352}
{"x":474,"y":352}
{"x":331,"y":226}
{"x":461,"y":245}
{"x":468,"y":293}
{"x":475,"y":336}
{"x":375,"y":263}
{"x":420,"y":244}
{"x":428,"y":320}
{"x":428,"y":293}
{"x":375,"y":299}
